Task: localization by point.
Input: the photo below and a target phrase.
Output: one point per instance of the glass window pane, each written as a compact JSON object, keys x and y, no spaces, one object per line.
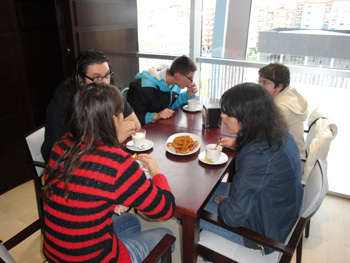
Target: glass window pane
{"x":147,"y":63}
{"x":313,"y":33}
{"x":208,"y":21}
{"x":164,"y":26}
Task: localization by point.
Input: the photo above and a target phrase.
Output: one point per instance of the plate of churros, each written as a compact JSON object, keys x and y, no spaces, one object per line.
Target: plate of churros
{"x":183,"y":143}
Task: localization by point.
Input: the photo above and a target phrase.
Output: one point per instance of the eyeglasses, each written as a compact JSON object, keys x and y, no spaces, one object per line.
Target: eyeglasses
{"x":264,"y":83}
{"x":187,"y":77}
{"x":99,"y":79}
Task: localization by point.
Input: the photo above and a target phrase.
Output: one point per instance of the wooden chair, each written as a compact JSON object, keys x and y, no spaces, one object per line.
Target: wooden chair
{"x":219,"y":249}
{"x":34,"y":140}
{"x":5,"y":256}
{"x":161,"y":251}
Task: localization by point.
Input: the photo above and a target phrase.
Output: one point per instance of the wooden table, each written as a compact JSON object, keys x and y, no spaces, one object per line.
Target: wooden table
{"x":191,"y":181}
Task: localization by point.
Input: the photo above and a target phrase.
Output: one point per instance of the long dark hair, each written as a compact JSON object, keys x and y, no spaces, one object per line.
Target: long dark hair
{"x":90,"y":119}
{"x":255,"y":109}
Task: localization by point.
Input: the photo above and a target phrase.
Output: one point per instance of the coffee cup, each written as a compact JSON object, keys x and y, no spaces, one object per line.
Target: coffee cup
{"x":192,"y":104}
{"x":213,"y":153}
{"x":139,"y":137}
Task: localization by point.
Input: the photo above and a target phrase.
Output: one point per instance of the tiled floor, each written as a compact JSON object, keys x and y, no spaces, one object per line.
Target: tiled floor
{"x":329,"y":240}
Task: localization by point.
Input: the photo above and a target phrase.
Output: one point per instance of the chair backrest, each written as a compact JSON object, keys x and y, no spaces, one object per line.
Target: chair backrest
{"x":34,"y":142}
{"x":315,"y":190}
{"x":125,"y":92}
{"x":320,"y":134}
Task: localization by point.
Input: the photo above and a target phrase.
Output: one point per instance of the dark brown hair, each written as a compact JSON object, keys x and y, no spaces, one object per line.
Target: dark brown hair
{"x":90,"y":119}
{"x":277,"y":73}
{"x":184,"y":65}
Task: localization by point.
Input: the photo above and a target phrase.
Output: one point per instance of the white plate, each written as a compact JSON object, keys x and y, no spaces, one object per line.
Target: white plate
{"x":185,"y":107}
{"x":148,"y":145}
{"x":172,"y":137}
{"x":223,"y":159}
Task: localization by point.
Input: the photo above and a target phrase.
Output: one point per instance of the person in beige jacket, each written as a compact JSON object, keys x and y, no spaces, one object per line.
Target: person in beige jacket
{"x":275,"y":77}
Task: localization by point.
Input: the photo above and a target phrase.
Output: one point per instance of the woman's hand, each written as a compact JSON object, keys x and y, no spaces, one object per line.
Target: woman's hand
{"x":119,"y":209}
{"x":149,"y":163}
{"x":125,"y":131}
{"x":217,"y":199}
{"x":228,"y":143}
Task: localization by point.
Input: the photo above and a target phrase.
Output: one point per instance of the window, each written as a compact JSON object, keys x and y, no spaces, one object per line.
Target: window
{"x":163,"y":26}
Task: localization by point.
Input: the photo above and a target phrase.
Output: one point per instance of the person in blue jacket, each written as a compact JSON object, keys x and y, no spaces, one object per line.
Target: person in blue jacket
{"x":266,"y":191}
{"x":155,"y":94}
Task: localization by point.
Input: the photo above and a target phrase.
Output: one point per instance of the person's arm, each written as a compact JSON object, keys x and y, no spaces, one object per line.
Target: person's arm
{"x":181,"y":99}
{"x":228,"y":143}
{"x":247,"y":186}
{"x":129,"y":114}
{"x":130,"y":123}
{"x":54,"y":125}
{"x":151,"y":197}
{"x":146,"y":102}
{"x":132,"y":117}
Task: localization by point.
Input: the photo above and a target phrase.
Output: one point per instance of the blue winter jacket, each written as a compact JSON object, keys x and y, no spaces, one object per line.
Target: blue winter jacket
{"x":266,"y":191}
{"x":148,"y":95}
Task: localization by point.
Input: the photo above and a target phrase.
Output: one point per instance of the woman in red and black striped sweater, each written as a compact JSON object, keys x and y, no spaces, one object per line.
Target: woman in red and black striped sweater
{"x":90,"y":182}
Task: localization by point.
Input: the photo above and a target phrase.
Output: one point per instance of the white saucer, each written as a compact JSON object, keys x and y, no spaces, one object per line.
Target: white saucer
{"x":148,"y":145}
{"x":223,"y":159}
{"x":185,"y":107}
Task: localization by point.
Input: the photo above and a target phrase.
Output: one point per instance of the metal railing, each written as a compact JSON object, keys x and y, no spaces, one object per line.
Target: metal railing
{"x":217,"y":75}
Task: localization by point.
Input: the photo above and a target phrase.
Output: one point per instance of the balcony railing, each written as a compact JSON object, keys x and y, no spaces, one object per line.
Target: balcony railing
{"x":218,"y":75}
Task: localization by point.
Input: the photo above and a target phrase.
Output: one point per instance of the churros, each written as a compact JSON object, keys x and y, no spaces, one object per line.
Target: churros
{"x":183,"y":144}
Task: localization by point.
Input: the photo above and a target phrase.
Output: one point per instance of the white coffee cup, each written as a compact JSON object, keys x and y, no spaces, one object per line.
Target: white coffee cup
{"x":192,"y":104}
{"x":212,"y":153}
{"x":139,"y":137}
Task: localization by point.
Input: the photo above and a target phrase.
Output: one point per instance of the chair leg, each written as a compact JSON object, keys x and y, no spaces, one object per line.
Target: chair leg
{"x":307,"y":229}
{"x":299,"y":250}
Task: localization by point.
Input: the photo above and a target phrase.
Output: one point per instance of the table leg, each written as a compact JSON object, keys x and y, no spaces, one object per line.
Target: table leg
{"x":190,"y":237}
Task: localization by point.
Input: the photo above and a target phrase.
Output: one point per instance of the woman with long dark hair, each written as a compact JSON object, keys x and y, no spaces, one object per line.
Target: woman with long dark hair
{"x":89,"y":179}
{"x":266,"y":192}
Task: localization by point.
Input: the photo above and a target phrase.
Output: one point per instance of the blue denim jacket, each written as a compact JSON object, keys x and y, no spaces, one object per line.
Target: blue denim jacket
{"x":266,"y":191}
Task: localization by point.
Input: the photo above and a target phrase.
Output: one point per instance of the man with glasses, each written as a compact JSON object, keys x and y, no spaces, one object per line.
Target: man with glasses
{"x":155,"y":94}
{"x":90,"y":66}
{"x":275,"y":77}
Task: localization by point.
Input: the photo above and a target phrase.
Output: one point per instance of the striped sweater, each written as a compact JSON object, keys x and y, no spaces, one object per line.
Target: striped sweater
{"x":80,"y":229}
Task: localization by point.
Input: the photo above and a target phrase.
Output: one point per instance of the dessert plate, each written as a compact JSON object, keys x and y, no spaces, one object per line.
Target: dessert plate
{"x":172,"y":137}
